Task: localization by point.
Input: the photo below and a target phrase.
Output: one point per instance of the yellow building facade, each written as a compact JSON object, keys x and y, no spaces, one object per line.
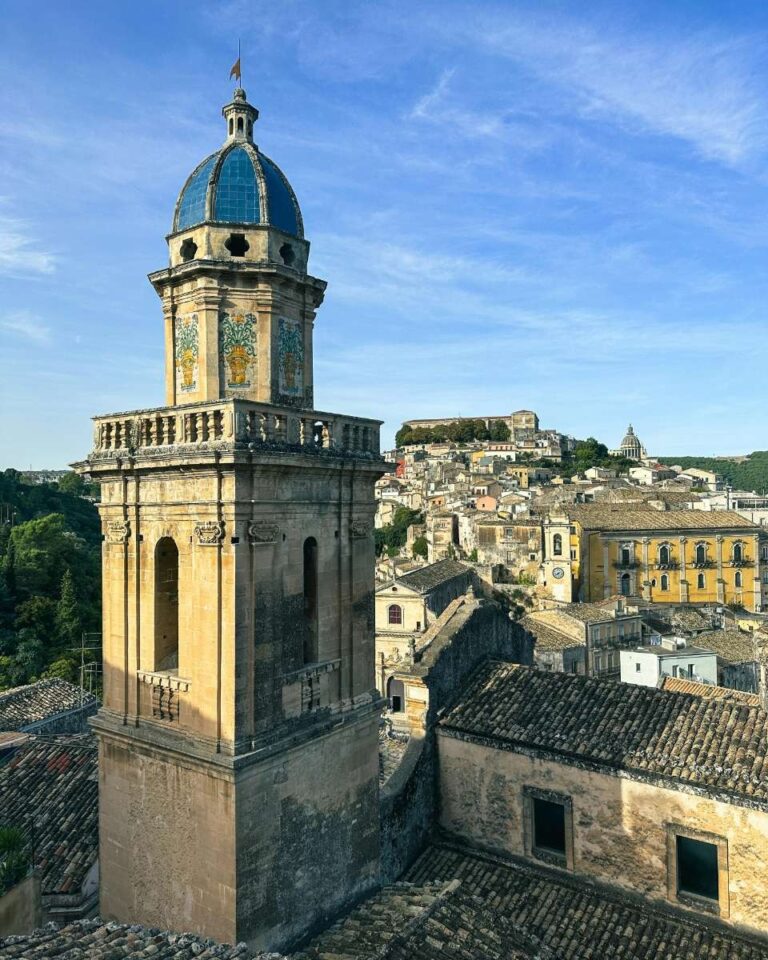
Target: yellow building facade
{"x":677,"y":556}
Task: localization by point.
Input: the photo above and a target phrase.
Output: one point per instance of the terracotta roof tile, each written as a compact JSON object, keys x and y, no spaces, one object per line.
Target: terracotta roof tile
{"x":717,"y":745}
{"x":22,"y":707}
{"x":50,"y":785}
{"x":565,"y":917}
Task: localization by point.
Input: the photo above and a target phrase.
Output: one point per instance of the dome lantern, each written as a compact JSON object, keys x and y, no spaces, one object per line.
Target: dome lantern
{"x":240,"y":117}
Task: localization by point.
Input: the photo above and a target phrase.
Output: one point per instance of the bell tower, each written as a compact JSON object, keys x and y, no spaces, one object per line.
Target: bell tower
{"x":238,"y":736}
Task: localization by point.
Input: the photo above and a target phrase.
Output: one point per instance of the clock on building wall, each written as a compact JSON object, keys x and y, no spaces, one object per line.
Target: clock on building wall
{"x":558,"y":573}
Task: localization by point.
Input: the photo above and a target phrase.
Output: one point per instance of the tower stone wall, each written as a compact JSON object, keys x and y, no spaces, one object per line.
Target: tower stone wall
{"x":238,"y":737}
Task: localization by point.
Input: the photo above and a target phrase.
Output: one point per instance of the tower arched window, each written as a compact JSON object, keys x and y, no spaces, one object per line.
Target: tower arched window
{"x":557,"y":545}
{"x":664,"y":581}
{"x":738,"y":553}
{"x":738,"y":579}
{"x":664,"y":555}
{"x":166,"y":605}
{"x":310,"y":601}
{"x":395,"y":614}
{"x":239,"y":124}
{"x":701,"y":581}
{"x":231,"y":126}
{"x":701,"y":553}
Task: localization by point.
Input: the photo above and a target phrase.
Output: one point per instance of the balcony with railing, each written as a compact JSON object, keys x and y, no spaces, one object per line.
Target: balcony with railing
{"x":234,"y":423}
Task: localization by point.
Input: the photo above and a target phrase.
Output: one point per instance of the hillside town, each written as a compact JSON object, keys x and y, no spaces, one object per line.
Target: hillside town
{"x":635,"y":571}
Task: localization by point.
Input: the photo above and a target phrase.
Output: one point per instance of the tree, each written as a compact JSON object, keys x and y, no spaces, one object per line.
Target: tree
{"x":43,"y":550}
{"x":65,"y":668}
{"x":14,"y":859}
{"x":499,"y":431}
{"x":69,"y":623}
{"x":420,"y":547}
{"x":72,"y":483}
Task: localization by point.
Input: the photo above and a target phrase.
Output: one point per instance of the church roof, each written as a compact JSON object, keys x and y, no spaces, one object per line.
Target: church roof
{"x":712,"y":745}
{"x":539,"y":912}
{"x":238,"y":184}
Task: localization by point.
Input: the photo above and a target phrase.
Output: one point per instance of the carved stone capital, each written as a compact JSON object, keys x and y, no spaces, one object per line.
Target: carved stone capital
{"x":359,"y":530}
{"x":210,"y":533}
{"x":259,"y":532}
{"x":118,"y":531}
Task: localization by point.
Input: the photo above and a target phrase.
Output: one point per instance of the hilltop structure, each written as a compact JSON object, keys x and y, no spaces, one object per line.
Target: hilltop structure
{"x":238,"y":590}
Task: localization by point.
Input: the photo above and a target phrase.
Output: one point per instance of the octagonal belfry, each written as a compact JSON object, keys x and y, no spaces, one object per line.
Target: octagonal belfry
{"x":238,"y":736}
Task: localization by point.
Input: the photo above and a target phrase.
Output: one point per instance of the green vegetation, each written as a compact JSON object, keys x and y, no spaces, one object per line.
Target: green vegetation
{"x":751,"y":474}
{"x":421,"y":548}
{"x":50,"y":577}
{"x":391,"y":539}
{"x":460,"y":431}
{"x":14,"y":857}
{"x":588,"y":453}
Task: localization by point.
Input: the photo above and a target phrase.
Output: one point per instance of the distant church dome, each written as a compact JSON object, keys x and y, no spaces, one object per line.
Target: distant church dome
{"x":631,"y":446}
{"x":238,"y":184}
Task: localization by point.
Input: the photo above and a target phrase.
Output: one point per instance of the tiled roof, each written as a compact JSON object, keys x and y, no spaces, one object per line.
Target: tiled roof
{"x":568,"y":918}
{"x":51,"y":786}
{"x":23,"y":706}
{"x":731,"y":645}
{"x":708,"y":690}
{"x":621,"y":516}
{"x":548,"y":638}
{"x":427,"y":578}
{"x":96,"y":940}
{"x":430,"y":921}
{"x":690,"y":620}
{"x":716,"y":745}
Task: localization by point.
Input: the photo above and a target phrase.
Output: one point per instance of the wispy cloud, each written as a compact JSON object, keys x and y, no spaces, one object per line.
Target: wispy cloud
{"x":24,"y":324}
{"x":20,"y":252}
{"x":702,"y":89}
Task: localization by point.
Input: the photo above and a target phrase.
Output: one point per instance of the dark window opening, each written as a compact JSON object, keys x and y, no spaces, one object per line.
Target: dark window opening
{"x":701,"y":553}
{"x":557,"y":545}
{"x":664,"y":555}
{"x":701,"y":582}
{"x":188,"y":249}
{"x":287,"y":253}
{"x":738,"y":579}
{"x":310,"y":600}
{"x":240,"y":124}
{"x":697,"y":868}
{"x":548,"y":825}
{"x":250,"y":129}
{"x":166,"y":605}
{"x":626,"y":556}
{"x":738,"y":553}
{"x":626,"y":585}
{"x":237,"y":244}
{"x":231,"y":125}
{"x":395,"y":695}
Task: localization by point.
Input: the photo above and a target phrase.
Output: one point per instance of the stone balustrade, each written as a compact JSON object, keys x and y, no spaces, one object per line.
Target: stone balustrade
{"x":234,"y":423}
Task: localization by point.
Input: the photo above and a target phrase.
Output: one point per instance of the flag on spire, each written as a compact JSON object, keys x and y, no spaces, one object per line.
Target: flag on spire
{"x":235,"y":71}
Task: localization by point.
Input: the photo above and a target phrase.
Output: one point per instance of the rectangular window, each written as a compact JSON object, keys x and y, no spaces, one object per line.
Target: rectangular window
{"x":697,"y":871}
{"x":548,"y":826}
{"x":637,"y":668}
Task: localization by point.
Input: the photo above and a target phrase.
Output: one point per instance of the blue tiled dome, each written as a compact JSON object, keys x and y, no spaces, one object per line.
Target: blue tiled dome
{"x":238,"y":184}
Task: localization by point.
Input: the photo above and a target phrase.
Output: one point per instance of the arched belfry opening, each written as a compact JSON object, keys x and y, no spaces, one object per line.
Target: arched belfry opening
{"x":166,"y":605}
{"x":310,"y":601}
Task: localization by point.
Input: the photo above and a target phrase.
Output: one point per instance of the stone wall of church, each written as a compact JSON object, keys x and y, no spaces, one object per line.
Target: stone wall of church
{"x":621,"y":827}
{"x":470,"y":632}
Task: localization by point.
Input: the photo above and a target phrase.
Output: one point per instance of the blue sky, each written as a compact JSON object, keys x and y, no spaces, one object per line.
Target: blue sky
{"x":558,"y":206}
